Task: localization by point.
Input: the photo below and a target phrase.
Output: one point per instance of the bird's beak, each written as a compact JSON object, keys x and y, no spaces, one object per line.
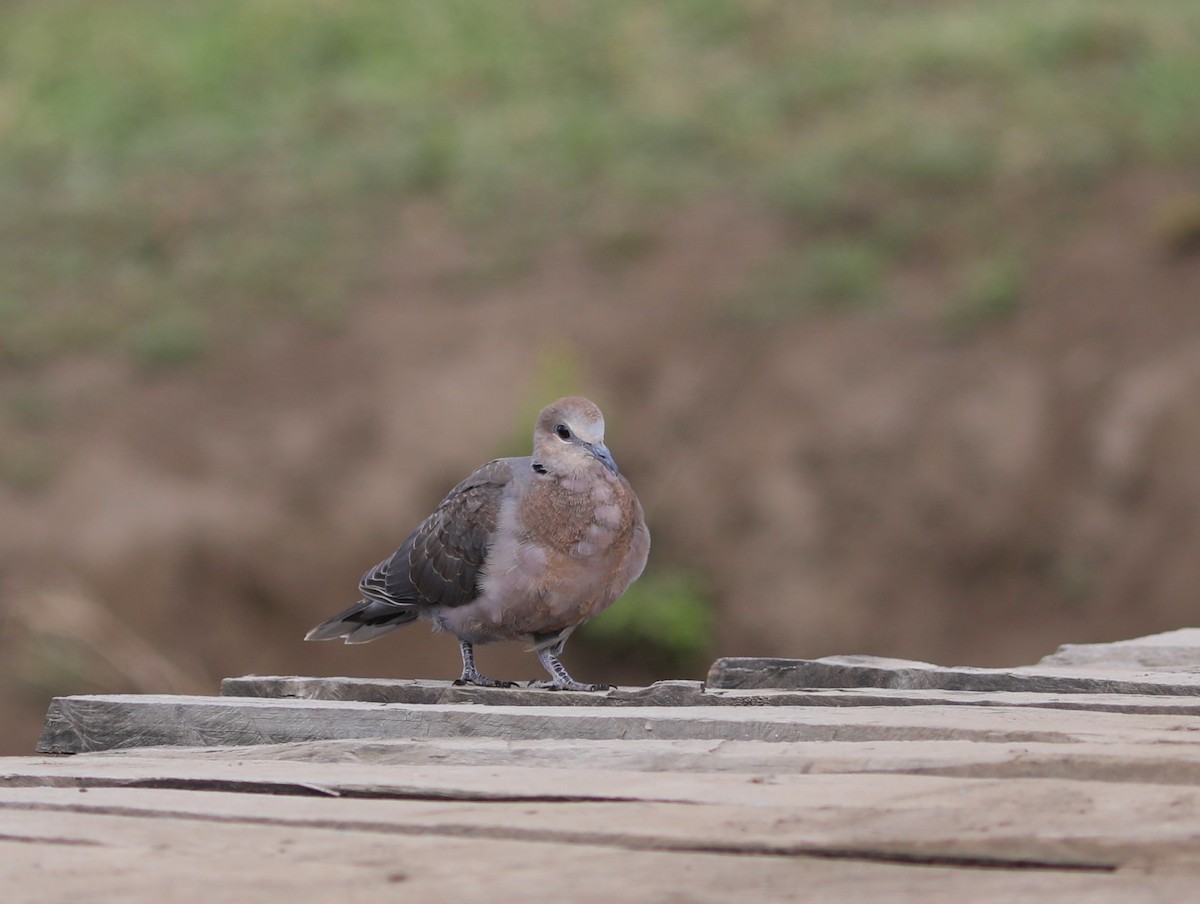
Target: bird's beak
{"x":601,"y":453}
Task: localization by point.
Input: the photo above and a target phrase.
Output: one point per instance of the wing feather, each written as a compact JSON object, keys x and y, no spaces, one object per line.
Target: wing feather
{"x":442,"y":561}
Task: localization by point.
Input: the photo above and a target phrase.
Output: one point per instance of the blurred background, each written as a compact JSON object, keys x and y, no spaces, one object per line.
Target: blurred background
{"x":893,"y":310}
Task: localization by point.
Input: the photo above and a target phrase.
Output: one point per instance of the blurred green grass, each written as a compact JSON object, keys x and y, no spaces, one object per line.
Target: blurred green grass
{"x":171,"y":174}
{"x":667,"y":619}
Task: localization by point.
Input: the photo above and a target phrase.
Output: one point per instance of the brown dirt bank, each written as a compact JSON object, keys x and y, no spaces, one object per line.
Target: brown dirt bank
{"x":861,"y":483}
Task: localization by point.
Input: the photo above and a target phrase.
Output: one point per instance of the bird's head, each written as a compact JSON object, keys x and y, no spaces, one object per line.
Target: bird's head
{"x":568,"y":438}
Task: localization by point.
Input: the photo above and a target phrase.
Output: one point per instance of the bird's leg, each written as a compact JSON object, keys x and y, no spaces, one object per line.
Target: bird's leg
{"x":471,"y":674}
{"x":562,"y":681}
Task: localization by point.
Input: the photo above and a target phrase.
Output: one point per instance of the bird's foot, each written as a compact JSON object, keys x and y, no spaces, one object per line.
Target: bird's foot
{"x":483,"y":681}
{"x":470,"y":674}
{"x":478,"y":680}
{"x":562,"y":681}
{"x":569,"y":685}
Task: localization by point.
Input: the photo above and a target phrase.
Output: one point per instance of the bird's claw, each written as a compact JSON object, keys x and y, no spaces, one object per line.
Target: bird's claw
{"x":482,"y":681}
{"x":569,"y":686}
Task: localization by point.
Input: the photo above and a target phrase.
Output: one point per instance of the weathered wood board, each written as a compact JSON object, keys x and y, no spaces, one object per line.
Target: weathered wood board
{"x":940,"y":785}
{"x":1111,"y":761}
{"x":190,"y":850}
{"x":412,"y":690}
{"x":686,"y":693}
{"x":858,"y":836}
{"x":1027,"y":824}
{"x":102,"y":722}
{"x":902,"y":674}
{"x":1171,"y":651}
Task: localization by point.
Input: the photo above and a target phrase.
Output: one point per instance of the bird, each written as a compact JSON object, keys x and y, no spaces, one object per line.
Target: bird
{"x":525,"y":549}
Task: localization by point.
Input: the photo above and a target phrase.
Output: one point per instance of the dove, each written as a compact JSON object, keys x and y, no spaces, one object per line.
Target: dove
{"x":525,"y":549}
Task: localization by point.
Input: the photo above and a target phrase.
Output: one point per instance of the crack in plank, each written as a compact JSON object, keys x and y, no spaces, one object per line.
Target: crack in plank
{"x":49,"y":839}
{"x":308,"y":789}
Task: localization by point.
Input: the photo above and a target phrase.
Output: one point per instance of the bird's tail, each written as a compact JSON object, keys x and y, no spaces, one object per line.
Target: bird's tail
{"x":365,"y":620}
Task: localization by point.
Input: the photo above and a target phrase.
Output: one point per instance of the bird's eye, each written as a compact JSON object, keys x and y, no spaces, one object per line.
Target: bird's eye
{"x":562,"y":432}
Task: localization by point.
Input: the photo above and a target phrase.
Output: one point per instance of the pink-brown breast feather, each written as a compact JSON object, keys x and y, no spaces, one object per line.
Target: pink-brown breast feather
{"x":555,"y":517}
{"x":588,"y":539}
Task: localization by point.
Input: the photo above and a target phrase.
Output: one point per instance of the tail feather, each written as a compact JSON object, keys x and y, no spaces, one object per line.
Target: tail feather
{"x":364,"y":633}
{"x":365,"y":620}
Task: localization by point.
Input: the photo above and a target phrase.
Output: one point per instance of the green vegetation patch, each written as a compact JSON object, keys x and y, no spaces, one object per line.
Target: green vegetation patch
{"x":171,"y":173}
{"x":819,"y":277}
{"x":666,"y":618}
{"x":988,"y":292}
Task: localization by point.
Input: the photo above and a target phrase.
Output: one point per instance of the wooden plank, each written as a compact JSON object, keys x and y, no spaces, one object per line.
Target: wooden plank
{"x":416,"y":782}
{"x":579,"y":772}
{"x":875,"y":672}
{"x":1014,"y":823}
{"x":60,"y":855}
{"x":84,"y":723}
{"x":681,"y":693}
{"x":81,"y":723}
{"x":421,"y":691}
{"x":1170,"y":651}
{"x":1110,"y":761}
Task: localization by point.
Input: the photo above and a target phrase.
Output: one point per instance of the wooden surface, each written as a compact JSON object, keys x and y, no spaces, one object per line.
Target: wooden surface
{"x":674,"y":793}
{"x":900,"y":674}
{"x":94,"y":723}
{"x":691,"y":693}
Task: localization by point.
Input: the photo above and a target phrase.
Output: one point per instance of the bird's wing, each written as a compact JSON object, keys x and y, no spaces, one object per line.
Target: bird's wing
{"x":374,"y":584}
{"x":441,"y":562}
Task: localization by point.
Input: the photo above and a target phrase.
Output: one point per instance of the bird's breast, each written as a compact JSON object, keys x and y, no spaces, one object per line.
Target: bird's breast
{"x":564,"y":551}
{"x":577,"y":517}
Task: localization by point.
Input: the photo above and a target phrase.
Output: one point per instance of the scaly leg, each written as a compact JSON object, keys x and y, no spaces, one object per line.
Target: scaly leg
{"x":562,"y":681}
{"x":471,"y":674}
